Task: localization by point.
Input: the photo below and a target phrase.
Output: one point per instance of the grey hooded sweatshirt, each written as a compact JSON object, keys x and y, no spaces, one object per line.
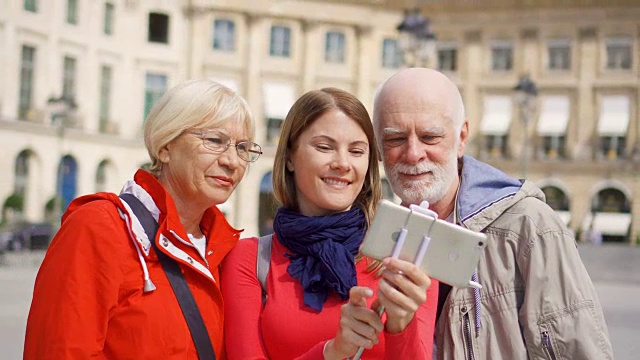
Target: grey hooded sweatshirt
{"x":537,"y":300}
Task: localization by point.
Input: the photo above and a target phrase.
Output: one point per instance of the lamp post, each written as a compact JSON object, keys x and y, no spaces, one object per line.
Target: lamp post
{"x":525,"y":94}
{"x":60,"y":109}
{"x":416,"y":39}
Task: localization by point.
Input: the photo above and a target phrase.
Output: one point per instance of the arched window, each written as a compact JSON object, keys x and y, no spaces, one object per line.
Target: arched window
{"x":556,"y":198}
{"x":67,"y":180}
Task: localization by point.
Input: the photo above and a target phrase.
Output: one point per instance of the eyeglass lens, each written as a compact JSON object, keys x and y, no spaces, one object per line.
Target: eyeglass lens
{"x":219,"y":142}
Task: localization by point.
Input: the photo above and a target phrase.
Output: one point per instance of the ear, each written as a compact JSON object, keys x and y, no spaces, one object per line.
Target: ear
{"x":289,"y":165}
{"x":464,"y":136}
{"x":163,"y":155}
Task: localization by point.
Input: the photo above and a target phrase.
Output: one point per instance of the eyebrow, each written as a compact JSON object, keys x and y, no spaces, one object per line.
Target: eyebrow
{"x":396,"y":131}
{"x":330,"y":139}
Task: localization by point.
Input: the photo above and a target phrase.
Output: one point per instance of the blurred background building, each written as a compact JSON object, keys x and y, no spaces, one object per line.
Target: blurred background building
{"x":551,"y":89}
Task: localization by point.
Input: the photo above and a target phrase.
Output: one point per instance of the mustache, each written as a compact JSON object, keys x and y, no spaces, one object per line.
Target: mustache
{"x":419,"y":168}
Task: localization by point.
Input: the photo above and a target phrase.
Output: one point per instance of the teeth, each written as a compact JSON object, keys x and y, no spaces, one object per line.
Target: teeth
{"x":335,"y":182}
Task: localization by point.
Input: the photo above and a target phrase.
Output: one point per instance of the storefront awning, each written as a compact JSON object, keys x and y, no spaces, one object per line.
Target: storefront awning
{"x":497,"y":115}
{"x":612,"y":224}
{"x":614,"y":116}
{"x":278,"y":98}
{"x":554,"y":116}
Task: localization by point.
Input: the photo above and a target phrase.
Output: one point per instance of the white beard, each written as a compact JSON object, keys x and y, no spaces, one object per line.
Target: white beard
{"x":432,"y":189}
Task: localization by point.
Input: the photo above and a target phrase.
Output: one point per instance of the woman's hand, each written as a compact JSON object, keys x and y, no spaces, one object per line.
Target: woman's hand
{"x":401,"y":290}
{"x":359,"y":326}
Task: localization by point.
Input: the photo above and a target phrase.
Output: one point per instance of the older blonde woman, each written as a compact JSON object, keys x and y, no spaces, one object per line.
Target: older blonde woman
{"x":101,"y":291}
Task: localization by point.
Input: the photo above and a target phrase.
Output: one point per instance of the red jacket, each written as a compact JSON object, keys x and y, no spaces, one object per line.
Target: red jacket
{"x":88,"y":300}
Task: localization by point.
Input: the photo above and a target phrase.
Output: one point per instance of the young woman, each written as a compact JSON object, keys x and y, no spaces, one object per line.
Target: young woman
{"x":320,"y":291}
{"x":101,"y":291}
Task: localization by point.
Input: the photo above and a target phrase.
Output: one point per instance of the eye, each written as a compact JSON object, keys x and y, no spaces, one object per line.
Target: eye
{"x":430,"y":139}
{"x":358,"y":151}
{"x":215,"y":140}
{"x":323,"y":147}
{"x":394,"y":141}
{"x":242,"y":147}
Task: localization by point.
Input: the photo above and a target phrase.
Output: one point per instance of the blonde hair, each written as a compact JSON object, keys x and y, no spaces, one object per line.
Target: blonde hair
{"x":201,"y":103}
{"x":308,"y":108}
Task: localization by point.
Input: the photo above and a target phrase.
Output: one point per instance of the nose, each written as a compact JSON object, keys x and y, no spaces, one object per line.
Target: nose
{"x":341,"y":161}
{"x":229,"y":158}
{"x":414,"y":152}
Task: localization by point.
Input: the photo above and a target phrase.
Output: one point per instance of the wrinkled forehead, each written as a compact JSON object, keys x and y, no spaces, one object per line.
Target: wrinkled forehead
{"x":239,"y":129}
{"x":395,"y":111}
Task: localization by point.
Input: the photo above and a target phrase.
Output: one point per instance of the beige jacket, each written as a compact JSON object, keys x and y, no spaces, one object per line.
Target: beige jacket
{"x":537,"y":300}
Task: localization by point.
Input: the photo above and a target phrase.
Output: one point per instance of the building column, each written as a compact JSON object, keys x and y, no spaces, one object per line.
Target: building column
{"x":365,"y":62}
{"x":310,"y":54}
{"x":471,"y":70}
{"x":580,"y":140}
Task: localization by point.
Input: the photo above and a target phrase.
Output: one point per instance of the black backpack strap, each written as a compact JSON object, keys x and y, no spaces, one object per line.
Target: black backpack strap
{"x":178,"y":283}
{"x":263,"y":262}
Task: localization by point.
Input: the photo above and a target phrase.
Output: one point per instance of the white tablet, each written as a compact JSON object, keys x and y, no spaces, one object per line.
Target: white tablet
{"x":452,"y":253}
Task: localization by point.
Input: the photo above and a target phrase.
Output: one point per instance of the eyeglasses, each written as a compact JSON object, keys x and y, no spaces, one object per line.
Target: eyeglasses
{"x":219,"y":142}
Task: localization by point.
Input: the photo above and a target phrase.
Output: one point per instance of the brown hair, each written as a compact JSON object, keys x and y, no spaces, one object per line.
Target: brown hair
{"x":307,"y":109}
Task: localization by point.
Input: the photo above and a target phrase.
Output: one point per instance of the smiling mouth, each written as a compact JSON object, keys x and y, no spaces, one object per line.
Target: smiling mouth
{"x":336,"y":182}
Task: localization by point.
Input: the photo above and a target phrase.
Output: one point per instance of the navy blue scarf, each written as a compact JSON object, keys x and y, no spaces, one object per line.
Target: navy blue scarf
{"x":324,"y":248}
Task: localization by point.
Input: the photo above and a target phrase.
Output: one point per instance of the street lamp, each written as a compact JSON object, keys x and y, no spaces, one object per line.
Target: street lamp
{"x":416,"y":39}
{"x":61,"y":109}
{"x":525,"y":94}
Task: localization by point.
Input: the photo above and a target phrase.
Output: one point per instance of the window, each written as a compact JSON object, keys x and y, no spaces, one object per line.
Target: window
{"x":495,"y":124}
{"x":559,"y":52}
{"x":552,"y":125}
{"x":553,"y":147}
{"x":158,"y":28}
{"x":334,"y":47}
{"x":390,"y":54}
{"x":109,"y":12}
{"x":496,"y":146}
{"x":69,"y":78}
{"x":27,"y":66}
{"x":613,"y":125}
{"x":155,"y":86}
{"x":31,"y":5}
{"x":278,"y":99}
{"x":22,"y":173}
{"x":619,"y":53}
{"x":501,"y":56}
{"x":280,"y":41}
{"x":72,"y":12}
{"x":101,"y":176}
{"x":447,"y":57}
{"x":224,"y":35}
{"x":273,"y":130}
{"x":612,"y":147}
{"x":105,"y":97}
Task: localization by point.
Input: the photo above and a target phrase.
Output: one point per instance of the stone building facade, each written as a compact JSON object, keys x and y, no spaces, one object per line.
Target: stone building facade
{"x":115,"y":57}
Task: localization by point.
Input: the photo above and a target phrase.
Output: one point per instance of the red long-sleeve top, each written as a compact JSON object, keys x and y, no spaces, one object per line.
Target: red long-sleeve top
{"x":287,"y":329}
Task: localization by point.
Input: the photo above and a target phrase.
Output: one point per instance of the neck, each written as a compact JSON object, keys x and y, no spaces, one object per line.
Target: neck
{"x":190,"y":212}
{"x":190,"y":217}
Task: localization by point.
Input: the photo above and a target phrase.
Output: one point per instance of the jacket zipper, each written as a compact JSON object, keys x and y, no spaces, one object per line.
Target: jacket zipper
{"x":467,"y":337}
{"x":546,"y":344}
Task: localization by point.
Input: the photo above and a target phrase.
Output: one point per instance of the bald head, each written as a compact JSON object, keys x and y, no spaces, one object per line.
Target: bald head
{"x":419,"y":90}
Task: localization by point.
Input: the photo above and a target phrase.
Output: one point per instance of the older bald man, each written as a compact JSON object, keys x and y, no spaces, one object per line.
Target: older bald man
{"x":537,"y":300}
